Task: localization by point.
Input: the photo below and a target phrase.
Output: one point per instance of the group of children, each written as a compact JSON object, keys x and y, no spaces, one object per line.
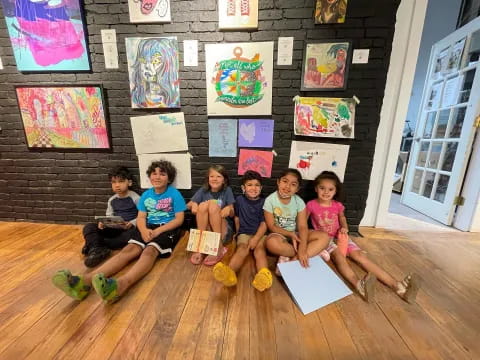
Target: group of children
{"x":277,"y":225}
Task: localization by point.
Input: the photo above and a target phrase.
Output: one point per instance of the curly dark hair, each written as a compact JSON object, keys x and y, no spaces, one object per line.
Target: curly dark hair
{"x":251,"y":175}
{"x":120,"y":172}
{"x":330,"y":175}
{"x":165,"y":166}
{"x":294,"y":172}
{"x":222,"y":171}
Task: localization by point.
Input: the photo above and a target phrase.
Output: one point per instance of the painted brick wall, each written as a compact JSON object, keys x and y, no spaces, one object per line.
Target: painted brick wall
{"x":72,"y":187}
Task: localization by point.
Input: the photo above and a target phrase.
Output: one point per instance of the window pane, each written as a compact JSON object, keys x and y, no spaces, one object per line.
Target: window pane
{"x":417,"y":180}
{"x":434,"y":155}
{"x":441,"y":188}
{"x":427,"y":134}
{"x":467,"y":86}
{"x":449,"y":156}
{"x":457,"y":122}
{"x":429,"y":179}
{"x":442,"y":124}
{"x":422,"y":155}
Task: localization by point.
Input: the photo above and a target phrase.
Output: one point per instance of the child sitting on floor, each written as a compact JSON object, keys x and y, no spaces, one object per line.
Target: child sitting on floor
{"x":212,"y":205}
{"x":326,"y":214}
{"x":250,"y":235}
{"x":99,"y":239}
{"x":161,"y":213}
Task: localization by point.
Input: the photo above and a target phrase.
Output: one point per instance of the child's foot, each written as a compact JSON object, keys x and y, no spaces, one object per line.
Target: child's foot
{"x":106,"y":288}
{"x":197,"y":258}
{"x":71,"y":285}
{"x":96,"y":256}
{"x":281,"y":259}
{"x":324,"y":255}
{"x":407,"y":289}
{"x":211,"y":260}
{"x":263,"y":280}
{"x":224,"y":274}
{"x":366,"y":287}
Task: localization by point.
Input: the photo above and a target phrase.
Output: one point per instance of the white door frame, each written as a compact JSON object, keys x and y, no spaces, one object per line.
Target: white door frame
{"x":403,"y":60}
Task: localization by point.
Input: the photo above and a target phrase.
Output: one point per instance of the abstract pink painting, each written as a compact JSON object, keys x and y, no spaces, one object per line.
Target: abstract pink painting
{"x":259,"y":161}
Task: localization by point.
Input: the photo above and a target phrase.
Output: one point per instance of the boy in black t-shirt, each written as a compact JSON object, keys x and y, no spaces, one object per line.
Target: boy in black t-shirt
{"x":251,"y":229}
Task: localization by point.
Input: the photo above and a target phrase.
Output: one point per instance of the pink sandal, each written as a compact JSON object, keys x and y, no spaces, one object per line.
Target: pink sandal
{"x":197,"y":258}
{"x":211,"y":260}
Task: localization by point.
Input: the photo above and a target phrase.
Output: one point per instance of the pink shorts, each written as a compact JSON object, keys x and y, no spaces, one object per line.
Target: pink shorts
{"x":351,"y":246}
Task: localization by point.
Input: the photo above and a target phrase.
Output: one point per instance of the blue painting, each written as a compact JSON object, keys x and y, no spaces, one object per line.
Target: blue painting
{"x":222,"y":137}
{"x":47,"y":35}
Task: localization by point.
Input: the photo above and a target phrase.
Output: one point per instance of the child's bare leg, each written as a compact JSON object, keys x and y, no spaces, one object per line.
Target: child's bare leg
{"x":260,"y":256}
{"x":214,"y":217}
{"x":115,"y":263}
{"x":317,"y":241}
{"x":239,"y":257}
{"x":263,"y":279}
{"x":278,"y":245}
{"x":202,"y":216}
{"x":221,"y":227}
{"x":360,"y":258}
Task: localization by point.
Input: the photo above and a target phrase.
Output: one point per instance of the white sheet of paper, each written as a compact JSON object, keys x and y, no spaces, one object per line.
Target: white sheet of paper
{"x":360,"y":56}
{"x":313,"y":287}
{"x":190,"y":52}
{"x":285,"y":51}
{"x":1,"y":64}
{"x":450,"y":91}
{"x":183,"y":180}
{"x":110,"y":54}
{"x":108,"y":35}
{"x":311,"y":158}
{"x":159,"y":133}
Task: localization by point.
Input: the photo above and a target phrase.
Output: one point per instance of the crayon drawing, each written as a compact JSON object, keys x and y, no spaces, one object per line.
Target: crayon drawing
{"x":311,"y":158}
{"x":330,"y":11}
{"x":324,"y":117}
{"x":153,"y":72}
{"x":255,"y":133}
{"x":159,"y":133}
{"x":63,"y":117}
{"x":259,"y":161}
{"x":222,"y":137}
{"x":237,"y":14}
{"x":325,"y":66}
{"x":47,"y":35}
{"x":239,"y":78}
{"x":149,"y":11}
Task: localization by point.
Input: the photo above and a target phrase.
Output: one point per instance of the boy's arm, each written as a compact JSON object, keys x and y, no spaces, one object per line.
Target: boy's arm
{"x":237,"y":223}
{"x":343,"y":223}
{"x":172,"y":225}
{"x":269,"y":220}
{"x":109,"y":211}
{"x":302,"y":227}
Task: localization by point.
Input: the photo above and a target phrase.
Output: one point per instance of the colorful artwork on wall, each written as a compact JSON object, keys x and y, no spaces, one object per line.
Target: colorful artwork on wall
{"x":183,"y":180}
{"x":325,"y":66}
{"x":153,"y":72}
{"x":311,"y":158}
{"x":69,"y":117}
{"x":237,"y":14}
{"x":149,"y":11}
{"x":255,"y":133}
{"x":330,"y":11}
{"x":259,"y":161}
{"x":324,"y":117}
{"x":239,"y":78}
{"x":222,"y":137}
{"x":47,"y":35}
{"x":159,"y":133}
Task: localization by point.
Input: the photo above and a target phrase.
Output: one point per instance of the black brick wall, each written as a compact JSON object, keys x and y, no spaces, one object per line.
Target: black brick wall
{"x":71,"y":187}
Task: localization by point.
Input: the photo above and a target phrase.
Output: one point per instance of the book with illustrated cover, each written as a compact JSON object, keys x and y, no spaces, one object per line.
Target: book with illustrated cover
{"x":205,"y":242}
{"x":111,"y":221}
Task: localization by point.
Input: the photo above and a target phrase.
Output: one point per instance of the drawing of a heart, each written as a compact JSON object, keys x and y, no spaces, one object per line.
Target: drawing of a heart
{"x":248,"y":132}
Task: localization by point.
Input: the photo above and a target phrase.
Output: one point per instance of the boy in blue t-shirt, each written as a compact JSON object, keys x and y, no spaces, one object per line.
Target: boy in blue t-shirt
{"x":251,"y":229}
{"x":160,"y":215}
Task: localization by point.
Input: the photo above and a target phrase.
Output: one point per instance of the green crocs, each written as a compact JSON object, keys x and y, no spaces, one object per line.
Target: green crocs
{"x":106,"y":288}
{"x":72,"y":285}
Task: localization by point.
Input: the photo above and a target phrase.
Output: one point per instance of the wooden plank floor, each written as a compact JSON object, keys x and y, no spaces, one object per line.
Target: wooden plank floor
{"x":178,"y":311}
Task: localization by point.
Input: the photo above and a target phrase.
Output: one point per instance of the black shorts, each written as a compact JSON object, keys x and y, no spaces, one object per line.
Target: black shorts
{"x":164,"y":243}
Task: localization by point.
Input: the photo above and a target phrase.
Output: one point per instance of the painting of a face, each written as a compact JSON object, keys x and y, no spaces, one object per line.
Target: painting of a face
{"x":151,"y":66}
{"x":147,"y":6}
{"x":149,"y":11}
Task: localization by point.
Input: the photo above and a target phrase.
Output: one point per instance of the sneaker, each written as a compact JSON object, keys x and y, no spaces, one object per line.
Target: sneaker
{"x":85,"y":250}
{"x":106,"y":288}
{"x":224,"y":274}
{"x":408,"y":288}
{"x":366,"y":287}
{"x":263,"y":280}
{"x":71,"y":285}
{"x":96,"y":256}
{"x":281,"y":259}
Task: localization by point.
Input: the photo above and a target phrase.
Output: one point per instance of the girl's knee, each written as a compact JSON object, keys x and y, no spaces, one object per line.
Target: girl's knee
{"x":213,"y":207}
{"x":203,"y":207}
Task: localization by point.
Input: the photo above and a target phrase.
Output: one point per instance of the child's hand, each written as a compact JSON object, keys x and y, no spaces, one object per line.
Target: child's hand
{"x":295,"y":241}
{"x":101,"y":226}
{"x":343,"y":230}
{"x":302,"y":255}
{"x":253,"y":242}
{"x":147,"y":235}
{"x":127,"y":226}
{"x":225,"y":212}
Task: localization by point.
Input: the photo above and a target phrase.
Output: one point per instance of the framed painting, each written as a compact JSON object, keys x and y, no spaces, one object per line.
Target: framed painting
{"x":330,"y":11}
{"x":63,"y":116}
{"x":149,"y":11}
{"x":47,"y":35}
{"x":239,"y":78}
{"x":237,"y":14}
{"x":325,"y":65}
{"x":324,"y":117}
{"x":153,"y":72}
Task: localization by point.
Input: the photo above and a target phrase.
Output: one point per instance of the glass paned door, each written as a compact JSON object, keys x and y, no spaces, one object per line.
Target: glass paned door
{"x":445,"y":130}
